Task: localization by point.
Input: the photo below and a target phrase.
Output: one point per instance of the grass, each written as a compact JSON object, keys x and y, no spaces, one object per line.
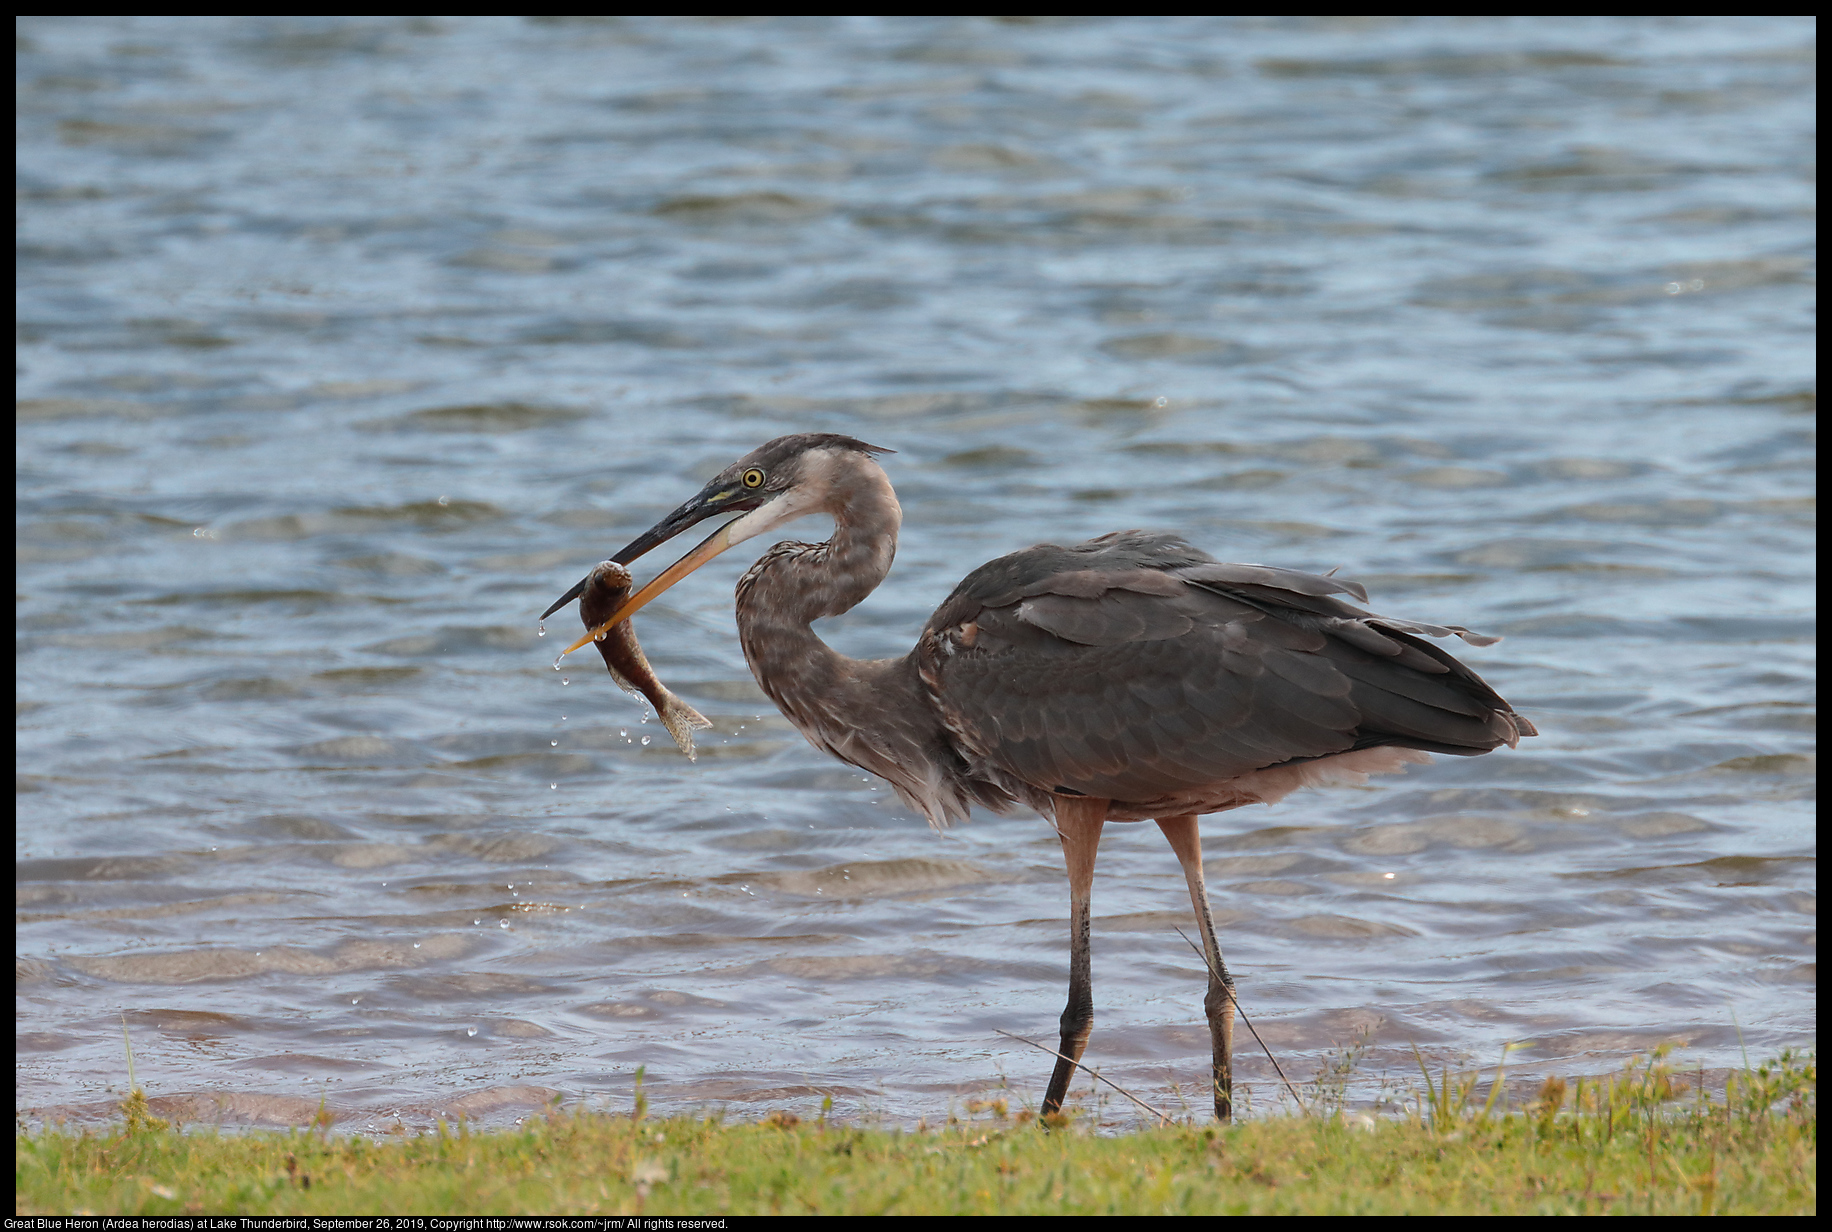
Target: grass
{"x":1639,"y":1142}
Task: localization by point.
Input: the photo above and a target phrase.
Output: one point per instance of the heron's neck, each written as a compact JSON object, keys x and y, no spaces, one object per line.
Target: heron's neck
{"x":796,"y":584}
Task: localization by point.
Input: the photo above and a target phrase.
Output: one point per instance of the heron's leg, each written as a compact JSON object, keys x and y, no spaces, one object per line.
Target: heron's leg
{"x":1219,"y":1003}
{"x":1078,"y":823}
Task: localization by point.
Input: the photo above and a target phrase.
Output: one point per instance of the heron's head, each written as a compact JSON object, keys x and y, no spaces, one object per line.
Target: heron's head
{"x":789,"y":478}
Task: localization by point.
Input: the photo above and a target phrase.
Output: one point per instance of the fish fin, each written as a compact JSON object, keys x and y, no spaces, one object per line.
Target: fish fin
{"x":619,"y":680}
{"x":682,"y":721}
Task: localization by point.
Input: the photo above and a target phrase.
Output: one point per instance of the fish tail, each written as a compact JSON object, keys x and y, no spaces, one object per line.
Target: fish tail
{"x":682,"y":720}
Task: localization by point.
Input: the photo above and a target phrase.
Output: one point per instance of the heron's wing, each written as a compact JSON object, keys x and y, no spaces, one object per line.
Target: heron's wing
{"x":1115,"y":675}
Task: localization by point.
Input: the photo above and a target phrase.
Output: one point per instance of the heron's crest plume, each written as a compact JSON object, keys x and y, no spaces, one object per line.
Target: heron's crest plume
{"x":772,"y":457}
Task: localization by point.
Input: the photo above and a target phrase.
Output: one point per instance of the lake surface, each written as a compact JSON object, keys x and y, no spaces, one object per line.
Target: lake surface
{"x":346,"y":345}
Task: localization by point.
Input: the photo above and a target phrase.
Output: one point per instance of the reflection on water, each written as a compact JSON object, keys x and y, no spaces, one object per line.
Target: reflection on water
{"x":346,"y":344}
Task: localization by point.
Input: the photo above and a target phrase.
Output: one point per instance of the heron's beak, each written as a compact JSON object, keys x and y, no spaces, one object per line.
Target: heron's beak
{"x":713,"y":544}
{"x":710,"y":502}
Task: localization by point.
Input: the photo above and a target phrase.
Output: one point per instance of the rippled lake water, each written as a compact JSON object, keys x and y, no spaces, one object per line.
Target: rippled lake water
{"x":347,"y":344}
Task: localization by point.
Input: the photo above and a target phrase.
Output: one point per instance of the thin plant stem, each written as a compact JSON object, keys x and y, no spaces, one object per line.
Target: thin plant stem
{"x":1243,"y":1017}
{"x":132,"y":1083}
{"x":1094,"y":1073}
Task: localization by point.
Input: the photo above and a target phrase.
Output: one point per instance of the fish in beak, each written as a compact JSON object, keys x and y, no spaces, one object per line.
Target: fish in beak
{"x":723,"y":495}
{"x":606,"y":589}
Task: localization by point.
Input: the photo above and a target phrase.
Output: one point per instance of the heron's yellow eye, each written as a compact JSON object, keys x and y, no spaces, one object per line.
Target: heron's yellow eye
{"x":753,"y":478}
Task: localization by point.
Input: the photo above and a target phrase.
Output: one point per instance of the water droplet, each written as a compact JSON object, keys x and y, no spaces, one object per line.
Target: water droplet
{"x":355,"y":1000}
{"x":476,"y":921}
{"x":445,"y":500}
{"x":502,"y":923}
{"x":1162,"y":402}
{"x":553,"y":744}
{"x":564,"y":680}
{"x":645,"y":740}
{"x":624,"y":732}
{"x":553,"y":787}
{"x":1388,"y":876}
{"x":541,"y":629}
{"x":416,"y":945}
{"x":1673,"y":288}
{"x":470,"y":1031}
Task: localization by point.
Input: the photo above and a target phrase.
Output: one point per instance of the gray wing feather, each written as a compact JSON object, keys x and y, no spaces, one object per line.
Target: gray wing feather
{"x":1132,"y":666}
{"x":1286,"y":581}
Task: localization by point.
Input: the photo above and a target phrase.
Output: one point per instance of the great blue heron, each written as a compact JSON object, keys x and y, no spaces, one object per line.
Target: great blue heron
{"x":1128,"y":678}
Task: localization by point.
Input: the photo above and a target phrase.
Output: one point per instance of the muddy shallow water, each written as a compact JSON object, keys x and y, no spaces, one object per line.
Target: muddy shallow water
{"x":347,"y":345}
